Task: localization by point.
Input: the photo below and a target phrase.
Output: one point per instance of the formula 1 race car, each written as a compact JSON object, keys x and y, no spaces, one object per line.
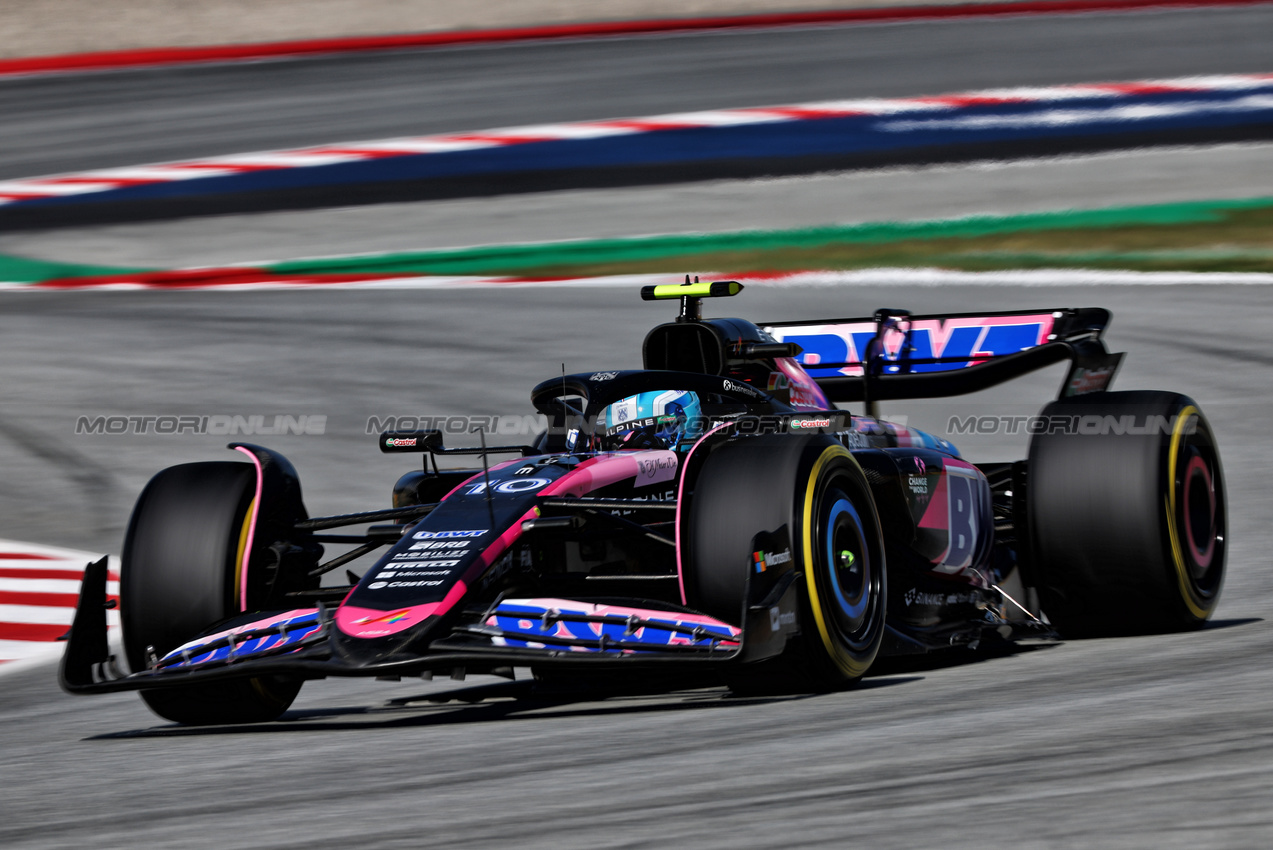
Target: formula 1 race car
{"x":713,"y":511}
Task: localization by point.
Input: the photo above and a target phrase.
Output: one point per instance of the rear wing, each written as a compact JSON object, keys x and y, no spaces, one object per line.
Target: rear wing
{"x":894,"y":355}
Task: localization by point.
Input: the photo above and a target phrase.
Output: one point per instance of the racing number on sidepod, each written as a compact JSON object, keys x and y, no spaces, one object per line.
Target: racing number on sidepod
{"x":961,"y":513}
{"x":515,"y":485}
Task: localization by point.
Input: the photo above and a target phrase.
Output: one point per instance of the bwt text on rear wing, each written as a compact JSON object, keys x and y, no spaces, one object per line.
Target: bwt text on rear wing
{"x":894,"y":355}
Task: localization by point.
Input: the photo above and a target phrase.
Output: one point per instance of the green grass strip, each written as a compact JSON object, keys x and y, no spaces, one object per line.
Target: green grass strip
{"x":1220,"y":235}
{"x":1052,"y":237}
{"x":22,"y":270}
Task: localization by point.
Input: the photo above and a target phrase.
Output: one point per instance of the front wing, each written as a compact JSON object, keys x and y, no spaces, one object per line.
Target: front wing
{"x":526,"y":632}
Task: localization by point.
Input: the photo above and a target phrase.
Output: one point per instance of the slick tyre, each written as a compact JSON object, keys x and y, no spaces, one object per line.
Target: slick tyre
{"x":1127,"y":514}
{"x":180,"y":575}
{"x":813,"y":487}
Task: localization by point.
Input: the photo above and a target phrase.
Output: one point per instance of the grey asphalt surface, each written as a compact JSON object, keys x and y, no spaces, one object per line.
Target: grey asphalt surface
{"x":55,"y":124}
{"x":1152,"y":741}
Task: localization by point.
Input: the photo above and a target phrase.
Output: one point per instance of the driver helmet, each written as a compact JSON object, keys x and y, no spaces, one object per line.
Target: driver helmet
{"x":652,"y":420}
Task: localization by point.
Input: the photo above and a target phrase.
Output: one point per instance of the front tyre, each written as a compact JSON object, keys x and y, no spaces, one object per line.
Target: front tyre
{"x":812,"y":487}
{"x":843,"y":557}
{"x":181,"y":572}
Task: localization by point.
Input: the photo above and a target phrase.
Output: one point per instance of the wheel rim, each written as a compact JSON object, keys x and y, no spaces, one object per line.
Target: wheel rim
{"x":843,"y":560}
{"x":1196,"y":512}
{"x":848,"y":561}
{"x":851,"y":599}
{"x":1199,"y":504}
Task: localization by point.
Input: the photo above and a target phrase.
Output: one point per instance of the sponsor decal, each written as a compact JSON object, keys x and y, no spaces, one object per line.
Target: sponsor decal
{"x":433,"y":544}
{"x":805,"y":396}
{"x":624,"y":410}
{"x":411,"y":573}
{"x":665,"y":496}
{"x":449,"y":535}
{"x":778,"y":619}
{"x":1090,"y":380}
{"x":799,"y":424}
{"x":603,"y":376}
{"x":652,"y":467}
{"x":421,"y":565}
{"x":390,"y":617}
{"x":734,"y":387}
{"x":381,"y":585}
{"x":533,"y":623}
{"x":799,"y":392}
{"x":915,"y":596}
{"x":765,"y":560}
{"x":918,"y":480}
{"x":965,"y":340}
{"x":631,"y":425}
{"x":401,"y":442}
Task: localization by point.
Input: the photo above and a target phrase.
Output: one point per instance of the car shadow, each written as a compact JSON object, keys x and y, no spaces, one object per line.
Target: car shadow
{"x":499,"y":702}
{"x":957,"y":657}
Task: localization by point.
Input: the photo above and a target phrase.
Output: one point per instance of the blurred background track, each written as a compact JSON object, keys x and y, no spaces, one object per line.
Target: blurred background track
{"x":58,"y":124}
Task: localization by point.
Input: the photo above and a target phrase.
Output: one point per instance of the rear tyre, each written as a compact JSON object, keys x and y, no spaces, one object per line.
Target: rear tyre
{"x":1128,"y":529}
{"x":813,"y":486}
{"x":180,"y":574}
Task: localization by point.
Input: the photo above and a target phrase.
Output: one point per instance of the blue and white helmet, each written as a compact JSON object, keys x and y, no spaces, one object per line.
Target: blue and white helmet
{"x":663,"y":419}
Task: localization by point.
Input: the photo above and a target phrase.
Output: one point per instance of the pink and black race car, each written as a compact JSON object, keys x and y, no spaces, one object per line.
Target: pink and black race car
{"x":713,"y":512}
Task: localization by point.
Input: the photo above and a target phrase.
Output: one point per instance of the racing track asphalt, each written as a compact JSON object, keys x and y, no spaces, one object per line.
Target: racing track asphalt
{"x":1154,"y":741}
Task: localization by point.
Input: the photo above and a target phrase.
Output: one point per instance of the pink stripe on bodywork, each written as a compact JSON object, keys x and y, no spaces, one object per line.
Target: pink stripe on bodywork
{"x":680,"y":500}
{"x":256,"y":511}
{"x":651,"y":467}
